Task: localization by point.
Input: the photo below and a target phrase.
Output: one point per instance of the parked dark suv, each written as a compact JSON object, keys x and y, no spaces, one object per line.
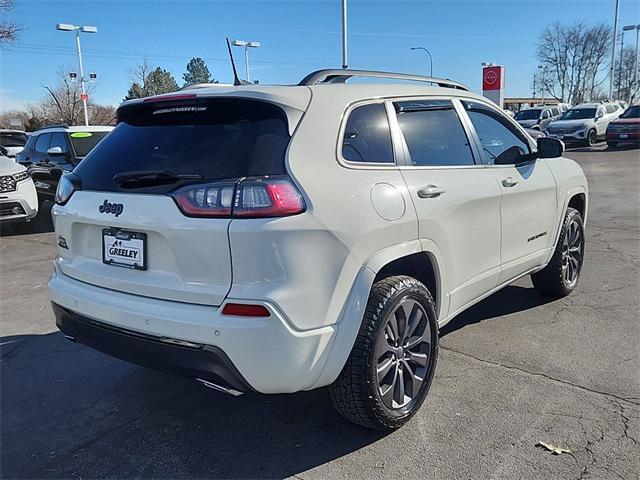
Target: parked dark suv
{"x":53,"y":151}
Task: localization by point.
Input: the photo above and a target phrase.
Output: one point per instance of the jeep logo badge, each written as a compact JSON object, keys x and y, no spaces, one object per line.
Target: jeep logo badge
{"x":115,"y":208}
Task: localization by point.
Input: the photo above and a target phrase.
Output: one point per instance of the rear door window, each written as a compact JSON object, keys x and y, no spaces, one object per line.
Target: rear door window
{"x":433,"y":133}
{"x":215,"y":139}
{"x":367,"y":137}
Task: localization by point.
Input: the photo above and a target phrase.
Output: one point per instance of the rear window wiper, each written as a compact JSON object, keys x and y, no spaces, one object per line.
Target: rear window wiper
{"x":151,"y":177}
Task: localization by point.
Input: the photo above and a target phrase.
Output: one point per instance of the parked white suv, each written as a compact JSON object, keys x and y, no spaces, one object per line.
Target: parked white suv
{"x":282,"y":238}
{"x":18,"y":198}
{"x":585,"y":123}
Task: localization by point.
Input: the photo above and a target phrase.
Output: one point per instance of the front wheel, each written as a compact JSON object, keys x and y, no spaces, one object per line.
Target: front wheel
{"x":391,"y":365}
{"x":560,"y":276}
{"x":592,"y":138}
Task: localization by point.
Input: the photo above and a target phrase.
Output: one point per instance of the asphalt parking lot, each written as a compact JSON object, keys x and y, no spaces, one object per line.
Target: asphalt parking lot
{"x":514,"y":370}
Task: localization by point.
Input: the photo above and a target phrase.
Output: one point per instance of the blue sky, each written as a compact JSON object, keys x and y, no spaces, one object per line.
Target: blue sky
{"x":297,"y":37}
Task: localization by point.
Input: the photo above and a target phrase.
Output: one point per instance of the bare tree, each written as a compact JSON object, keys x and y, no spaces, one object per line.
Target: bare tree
{"x":8,"y":30}
{"x":624,"y":83}
{"x":574,"y":57}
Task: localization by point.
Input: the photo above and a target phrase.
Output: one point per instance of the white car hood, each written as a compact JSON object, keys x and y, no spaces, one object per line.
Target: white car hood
{"x":13,"y":151}
{"x":8,"y":166}
{"x":570,"y":123}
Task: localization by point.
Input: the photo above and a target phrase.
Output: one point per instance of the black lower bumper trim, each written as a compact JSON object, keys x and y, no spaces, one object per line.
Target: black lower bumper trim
{"x":205,"y":362}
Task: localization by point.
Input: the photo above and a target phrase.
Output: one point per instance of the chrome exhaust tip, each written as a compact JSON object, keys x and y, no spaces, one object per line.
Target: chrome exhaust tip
{"x":219,"y":388}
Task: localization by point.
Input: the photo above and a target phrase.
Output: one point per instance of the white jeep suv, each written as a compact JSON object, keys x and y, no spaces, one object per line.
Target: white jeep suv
{"x":282,"y":238}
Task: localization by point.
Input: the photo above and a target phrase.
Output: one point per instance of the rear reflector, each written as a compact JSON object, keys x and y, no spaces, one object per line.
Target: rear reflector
{"x":244,"y":310}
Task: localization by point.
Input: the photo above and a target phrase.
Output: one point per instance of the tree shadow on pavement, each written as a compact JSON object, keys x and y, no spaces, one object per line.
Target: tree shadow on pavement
{"x":511,"y":299}
{"x":68,"y":411}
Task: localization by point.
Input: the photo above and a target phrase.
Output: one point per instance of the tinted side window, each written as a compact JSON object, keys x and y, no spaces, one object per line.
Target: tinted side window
{"x":31,"y":143}
{"x":42,"y":144}
{"x":610,"y":108}
{"x":58,"y":140}
{"x":496,"y":134}
{"x":433,"y":133}
{"x":367,"y":137}
{"x":555,"y":112}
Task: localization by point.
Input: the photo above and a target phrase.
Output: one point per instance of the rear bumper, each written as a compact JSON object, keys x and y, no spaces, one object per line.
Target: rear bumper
{"x":267,"y":353}
{"x":188,"y":359}
{"x":623,"y":137}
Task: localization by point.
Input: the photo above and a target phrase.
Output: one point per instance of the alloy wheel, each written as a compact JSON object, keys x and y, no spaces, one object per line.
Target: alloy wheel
{"x":403,"y":353}
{"x":572,"y":251}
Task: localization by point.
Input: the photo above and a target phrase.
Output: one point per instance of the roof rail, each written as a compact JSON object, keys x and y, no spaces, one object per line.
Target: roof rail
{"x":59,"y":125}
{"x":342,"y":75}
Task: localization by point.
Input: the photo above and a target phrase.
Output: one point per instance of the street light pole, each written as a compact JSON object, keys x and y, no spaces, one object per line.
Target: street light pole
{"x":613,"y":51}
{"x":636,"y":88}
{"x":65,"y":27}
{"x":430,"y":58}
{"x":82,"y":89}
{"x":246,"y":45}
{"x":345,"y":55}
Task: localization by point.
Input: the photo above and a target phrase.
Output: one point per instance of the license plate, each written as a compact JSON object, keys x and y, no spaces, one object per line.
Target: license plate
{"x":624,"y":135}
{"x":123,"y":248}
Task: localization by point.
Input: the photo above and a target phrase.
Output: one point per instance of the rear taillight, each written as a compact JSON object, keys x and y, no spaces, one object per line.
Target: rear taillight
{"x":256,"y":197}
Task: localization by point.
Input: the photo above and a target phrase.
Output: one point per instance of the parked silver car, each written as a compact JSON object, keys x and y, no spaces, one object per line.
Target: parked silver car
{"x":537,"y":118}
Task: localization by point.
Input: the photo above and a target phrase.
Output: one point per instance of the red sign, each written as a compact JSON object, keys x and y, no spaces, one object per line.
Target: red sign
{"x":84,"y":97}
{"x":491,"y":78}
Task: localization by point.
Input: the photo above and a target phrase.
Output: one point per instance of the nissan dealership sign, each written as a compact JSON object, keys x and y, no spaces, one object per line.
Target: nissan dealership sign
{"x":493,"y":83}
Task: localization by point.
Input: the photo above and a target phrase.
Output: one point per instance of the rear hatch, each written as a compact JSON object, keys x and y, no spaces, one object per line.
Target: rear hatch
{"x":124,"y":228}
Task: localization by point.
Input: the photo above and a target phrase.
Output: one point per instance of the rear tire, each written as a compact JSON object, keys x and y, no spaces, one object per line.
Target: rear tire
{"x":389,"y":371}
{"x":560,"y":277}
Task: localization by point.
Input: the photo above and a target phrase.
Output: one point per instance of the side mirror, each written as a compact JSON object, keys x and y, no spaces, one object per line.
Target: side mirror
{"x":55,"y":152}
{"x":549,"y":147}
{"x":512,"y":156}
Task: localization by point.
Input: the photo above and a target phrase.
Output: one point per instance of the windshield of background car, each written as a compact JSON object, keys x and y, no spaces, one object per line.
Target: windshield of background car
{"x":528,"y":115}
{"x":579,"y":114}
{"x":215,"y":139}
{"x":631,"y":112}
{"x":83,"y":142}
{"x":13,"y":139}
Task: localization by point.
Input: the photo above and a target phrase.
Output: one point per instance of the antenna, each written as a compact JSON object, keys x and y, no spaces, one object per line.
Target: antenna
{"x":236,"y":80}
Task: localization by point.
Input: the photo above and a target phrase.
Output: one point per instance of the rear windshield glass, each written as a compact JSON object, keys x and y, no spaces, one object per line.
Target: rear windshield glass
{"x":13,"y":139}
{"x":83,"y":142}
{"x":215,"y":139}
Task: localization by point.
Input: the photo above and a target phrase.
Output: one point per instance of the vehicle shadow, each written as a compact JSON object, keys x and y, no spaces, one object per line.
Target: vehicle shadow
{"x":68,"y":411}
{"x":602,"y":148}
{"x":510,"y":299}
{"x":41,"y":224}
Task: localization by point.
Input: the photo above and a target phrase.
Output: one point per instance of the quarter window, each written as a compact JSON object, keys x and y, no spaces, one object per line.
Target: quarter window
{"x":496,"y":134}
{"x":42,"y":144}
{"x":433,"y":133}
{"x":367,"y":137}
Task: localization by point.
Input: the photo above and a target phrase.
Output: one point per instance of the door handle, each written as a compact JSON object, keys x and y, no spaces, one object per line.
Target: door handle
{"x":509,"y":182}
{"x":430,"y":191}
